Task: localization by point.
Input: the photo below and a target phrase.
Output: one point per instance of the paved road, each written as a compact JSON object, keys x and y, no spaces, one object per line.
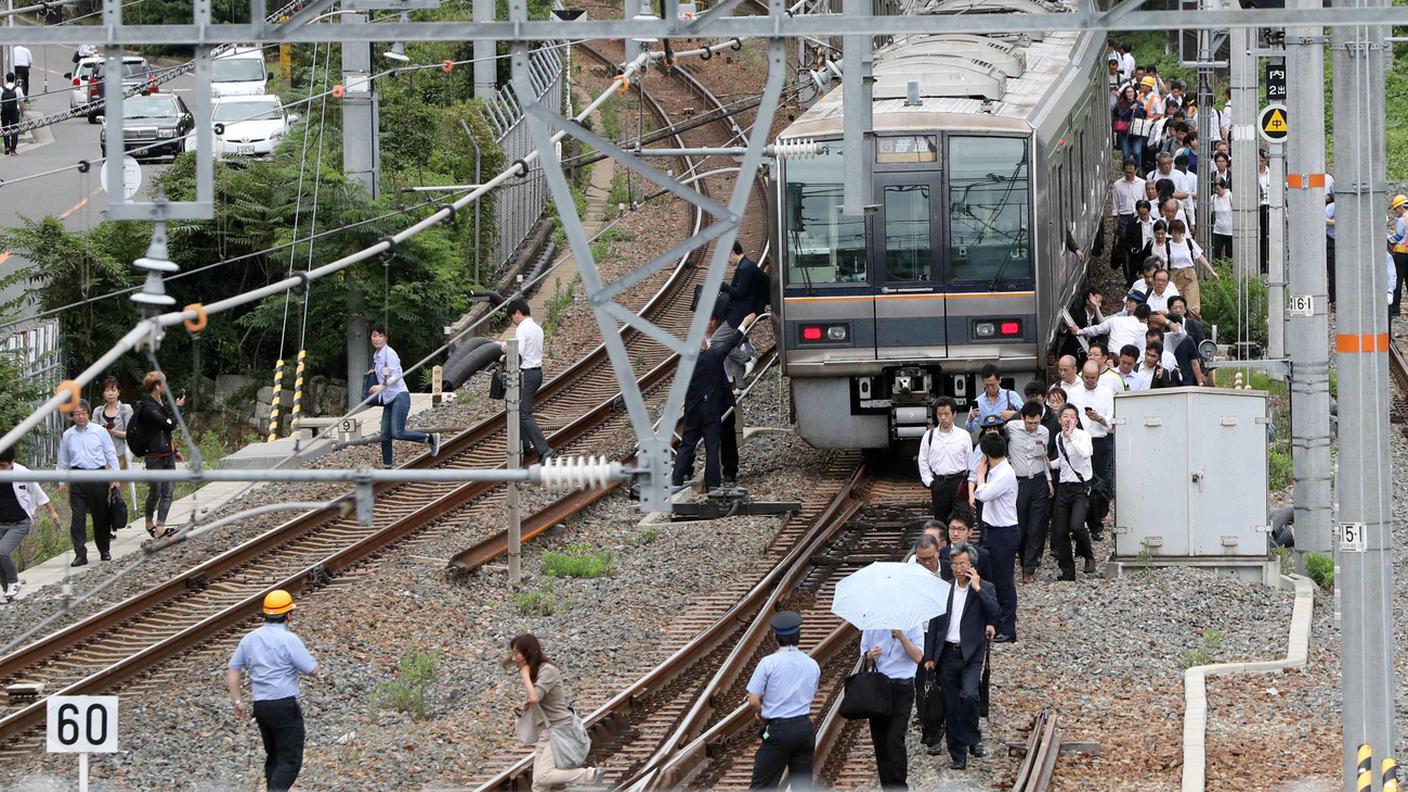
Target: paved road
{"x":75,"y":198}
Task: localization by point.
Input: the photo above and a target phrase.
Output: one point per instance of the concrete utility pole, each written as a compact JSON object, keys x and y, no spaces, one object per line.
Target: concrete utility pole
{"x":1307,"y":341}
{"x":512,"y":407}
{"x":360,"y":161}
{"x":485,"y":64}
{"x":1202,"y":218}
{"x":1365,"y":485}
{"x":1276,"y":250}
{"x":1246,"y":216}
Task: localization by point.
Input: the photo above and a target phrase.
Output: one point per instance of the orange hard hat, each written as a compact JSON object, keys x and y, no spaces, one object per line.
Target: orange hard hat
{"x":277,"y":602}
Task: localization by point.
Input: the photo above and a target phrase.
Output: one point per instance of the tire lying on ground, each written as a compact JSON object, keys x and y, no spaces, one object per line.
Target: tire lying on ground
{"x":473,"y":356}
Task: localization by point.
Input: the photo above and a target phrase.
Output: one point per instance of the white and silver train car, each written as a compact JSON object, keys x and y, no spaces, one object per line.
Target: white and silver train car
{"x":983,"y":190}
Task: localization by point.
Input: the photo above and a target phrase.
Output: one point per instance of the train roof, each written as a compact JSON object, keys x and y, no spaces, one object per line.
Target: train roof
{"x":994,"y":83}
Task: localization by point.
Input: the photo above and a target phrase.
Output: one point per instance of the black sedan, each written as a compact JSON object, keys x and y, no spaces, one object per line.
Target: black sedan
{"x":153,"y":126}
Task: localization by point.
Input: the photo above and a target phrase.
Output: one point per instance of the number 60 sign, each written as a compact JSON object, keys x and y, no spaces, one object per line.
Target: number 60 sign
{"x":82,"y":724}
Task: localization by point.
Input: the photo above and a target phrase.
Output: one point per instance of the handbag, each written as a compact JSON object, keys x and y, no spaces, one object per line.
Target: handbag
{"x":866,"y":694}
{"x":368,"y":380}
{"x":498,"y":387}
{"x":1121,"y":125}
{"x":931,"y":703}
{"x":569,"y":741}
{"x":525,"y":726}
{"x":117,"y":509}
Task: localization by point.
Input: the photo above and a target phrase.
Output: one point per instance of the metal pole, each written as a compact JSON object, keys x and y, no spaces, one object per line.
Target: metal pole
{"x":83,"y":772}
{"x":485,"y":65}
{"x":359,"y":142}
{"x":857,"y":54}
{"x":632,"y":48}
{"x":1307,"y":338}
{"x":1202,"y":218}
{"x":1245,"y":199}
{"x":515,"y":460}
{"x":1276,"y":251}
{"x":1365,"y":576}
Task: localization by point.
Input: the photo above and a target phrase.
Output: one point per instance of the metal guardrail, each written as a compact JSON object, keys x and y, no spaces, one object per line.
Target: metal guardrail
{"x":38,"y":354}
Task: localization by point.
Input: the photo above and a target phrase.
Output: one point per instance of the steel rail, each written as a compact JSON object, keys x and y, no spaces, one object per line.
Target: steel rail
{"x":1398,"y":371}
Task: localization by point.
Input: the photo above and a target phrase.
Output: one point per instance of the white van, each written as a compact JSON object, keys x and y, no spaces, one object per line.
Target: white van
{"x":239,"y":73}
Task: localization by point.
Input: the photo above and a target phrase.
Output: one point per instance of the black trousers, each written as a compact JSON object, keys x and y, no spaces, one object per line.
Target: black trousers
{"x":22,"y":77}
{"x":1067,"y":521}
{"x":1400,"y":263}
{"x":1033,"y":519}
{"x":960,"y":682}
{"x":1330,"y":266}
{"x":532,"y":380}
{"x":1102,"y":461}
{"x":1221,"y":246}
{"x":158,"y":503}
{"x":942,"y":491}
{"x":1002,"y":543}
{"x":84,"y":498}
{"x":1119,"y":256}
{"x":699,"y":427}
{"x":929,"y":705}
{"x":281,"y":725}
{"x":728,"y":446}
{"x":788,"y":744}
{"x":887,"y":735}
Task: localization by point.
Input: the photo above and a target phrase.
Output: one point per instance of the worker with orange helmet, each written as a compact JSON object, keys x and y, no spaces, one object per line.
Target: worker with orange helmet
{"x":274,"y":658}
{"x":1399,"y":240}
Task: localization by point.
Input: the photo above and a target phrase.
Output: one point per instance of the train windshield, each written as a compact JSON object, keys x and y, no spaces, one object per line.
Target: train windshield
{"x":822,"y":246}
{"x":988,"y":217}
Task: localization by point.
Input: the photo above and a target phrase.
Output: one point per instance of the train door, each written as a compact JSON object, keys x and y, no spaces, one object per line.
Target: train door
{"x":906,"y":248}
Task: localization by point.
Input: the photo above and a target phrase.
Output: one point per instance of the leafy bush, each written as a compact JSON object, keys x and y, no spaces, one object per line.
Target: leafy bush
{"x":578,"y":561}
{"x":410,"y":690}
{"x":1279,"y":470}
{"x":1222,"y":305}
{"x":1321,"y":569}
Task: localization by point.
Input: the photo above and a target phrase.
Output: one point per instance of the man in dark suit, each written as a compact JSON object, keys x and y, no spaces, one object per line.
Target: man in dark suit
{"x":958,"y":649}
{"x":704,"y":403}
{"x":747,"y":294}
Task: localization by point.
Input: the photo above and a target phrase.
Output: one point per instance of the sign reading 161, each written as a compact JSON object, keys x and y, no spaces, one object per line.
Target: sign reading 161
{"x":82,"y":724}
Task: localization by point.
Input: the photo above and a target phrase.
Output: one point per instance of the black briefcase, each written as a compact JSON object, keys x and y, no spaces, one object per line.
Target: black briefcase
{"x":867,"y":694}
{"x":498,"y":386}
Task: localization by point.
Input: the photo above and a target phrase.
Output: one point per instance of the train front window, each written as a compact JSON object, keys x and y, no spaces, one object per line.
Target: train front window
{"x":822,"y":246}
{"x":988,"y":197}
{"x":907,"y":233}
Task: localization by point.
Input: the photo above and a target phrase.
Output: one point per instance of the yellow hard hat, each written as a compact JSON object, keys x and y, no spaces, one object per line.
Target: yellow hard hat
{"x":277,"y":601}
{"x":1399,"y":200}
{"x":1147,"y":81}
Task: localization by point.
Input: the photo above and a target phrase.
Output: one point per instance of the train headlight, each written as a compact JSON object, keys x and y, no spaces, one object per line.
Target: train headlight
{"x":984,"y":329}
{"x":836,"y":333}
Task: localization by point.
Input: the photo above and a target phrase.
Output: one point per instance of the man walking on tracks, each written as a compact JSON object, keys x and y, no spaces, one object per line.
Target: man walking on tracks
{"x":274,"y":658}
{"x":780,"y":693}
{"x":957,"y":643}
{"x":11,"y":111}
{"x":530,"y":371}
{"x":705,"y":401}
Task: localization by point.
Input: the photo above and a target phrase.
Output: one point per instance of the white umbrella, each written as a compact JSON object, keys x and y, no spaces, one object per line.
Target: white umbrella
{"x":889,"y":595}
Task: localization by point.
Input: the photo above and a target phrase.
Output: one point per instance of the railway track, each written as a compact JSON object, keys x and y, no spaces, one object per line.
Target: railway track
{"x":136,"y":636}
{"x":1398,"y":373}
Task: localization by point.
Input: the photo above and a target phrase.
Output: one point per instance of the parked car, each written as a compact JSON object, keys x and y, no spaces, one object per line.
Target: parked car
{"x":239,"y":73}
{"x":87,"y":88}
{"x":154,"y":126}
{"x":249,"y":126}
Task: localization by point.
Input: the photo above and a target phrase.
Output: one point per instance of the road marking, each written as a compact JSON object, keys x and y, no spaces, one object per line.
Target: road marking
{"x":5,"y":256}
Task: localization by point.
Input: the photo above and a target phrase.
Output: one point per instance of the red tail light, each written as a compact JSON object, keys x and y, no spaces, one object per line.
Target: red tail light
{"x":1010,"y":328}
{"x":812,"y":333}
{"x":77,"y":82}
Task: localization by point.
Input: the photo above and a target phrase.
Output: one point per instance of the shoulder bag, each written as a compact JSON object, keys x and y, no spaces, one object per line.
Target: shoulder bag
{"x":117,"y":509}
{"x":569,"y":741}
{"x":498,"y":385}
{"x":525,"y":726}
{"x":866,"y":694}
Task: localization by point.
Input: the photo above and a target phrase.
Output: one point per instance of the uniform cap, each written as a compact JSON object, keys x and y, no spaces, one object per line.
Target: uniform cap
{"x":992,"y":421}
{"x":1399,"y":200}
{"x":786,"y":622}
{"x":1137,"y":296}
{"x":1147,"y":81}
{"x":277,"y":602}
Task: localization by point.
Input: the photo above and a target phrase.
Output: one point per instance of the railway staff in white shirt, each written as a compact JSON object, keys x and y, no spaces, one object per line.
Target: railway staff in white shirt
{"x":997,"y":489}
{"x":530,"y":366}
{"x":943,"y":458}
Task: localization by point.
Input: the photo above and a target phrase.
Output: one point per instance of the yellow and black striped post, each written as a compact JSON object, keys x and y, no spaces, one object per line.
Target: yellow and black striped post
{"x":1388,"y":771}
{"x":276,"y":400}
{"x":297,"y":411}
{"x":1364,"y":779}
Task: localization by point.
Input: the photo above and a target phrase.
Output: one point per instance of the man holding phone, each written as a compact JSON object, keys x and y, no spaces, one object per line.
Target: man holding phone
{"x":1097,"y":411}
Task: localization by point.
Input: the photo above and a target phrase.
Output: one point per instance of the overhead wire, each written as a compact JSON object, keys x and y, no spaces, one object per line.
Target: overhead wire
{"x":297,"y":411}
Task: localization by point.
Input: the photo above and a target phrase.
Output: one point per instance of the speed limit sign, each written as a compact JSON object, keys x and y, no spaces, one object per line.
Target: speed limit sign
{"x":82,"y":724}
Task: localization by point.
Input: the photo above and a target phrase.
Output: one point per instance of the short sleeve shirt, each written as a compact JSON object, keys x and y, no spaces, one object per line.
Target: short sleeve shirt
{"x":274,"y":658}
{"x":786,"y":681}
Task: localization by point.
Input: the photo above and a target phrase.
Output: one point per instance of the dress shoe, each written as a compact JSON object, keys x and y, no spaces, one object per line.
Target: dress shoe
{"x":961,"y":763}
{"x":1097,"y":536}
{"x":105,"y":556}
{"x":77,"y":562}
{"x":1067,"y":578}
{"x":978,"y":750}
{"x":1090,"y":566}
{"x":937,"y":749}
{"x":1028,"y":577}
{"x":1003,"y":638}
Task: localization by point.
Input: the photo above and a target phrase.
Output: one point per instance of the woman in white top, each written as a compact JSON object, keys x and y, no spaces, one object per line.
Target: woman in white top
{"x":1159,"y":250}
{"x":1184,"y":256}
{"x":1221,"y":220}
{"x":1073,"y":461}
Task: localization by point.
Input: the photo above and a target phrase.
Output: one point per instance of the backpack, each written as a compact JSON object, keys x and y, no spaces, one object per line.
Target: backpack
{"x":9,"y":102}
{"x":137,"y":440}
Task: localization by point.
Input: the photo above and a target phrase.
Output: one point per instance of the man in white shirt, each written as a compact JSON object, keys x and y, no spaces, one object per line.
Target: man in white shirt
{"x":1097,"y":411}
{"x":896,"y":654}
{"x":997,"y":489}
{"x":23,"y":60}
{"x":530,"y":365}
{"x":1066,"y":370}
{"x":1128,"y":369}
{"x":19,"y":500}
{"x":1121,"y":329}
{"x":1127,"y":63}
{"x":1165,"y":170}
{"x":1161,"y":292}
{"x":1100,"y":354}
{"x":1068,"y":520}
{"x":11,"y":112}
{"x":1127,"y":191}
{"x":1028,"y":448}
{"x":943,"y":458}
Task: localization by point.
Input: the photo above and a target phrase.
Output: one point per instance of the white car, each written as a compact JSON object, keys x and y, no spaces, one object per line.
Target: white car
{"x":86,"y":71}
{"x":239,"y":73}
{"x":249,"y":126}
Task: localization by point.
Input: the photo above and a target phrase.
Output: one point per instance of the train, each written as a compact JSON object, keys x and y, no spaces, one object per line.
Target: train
{"x":988,"y":163}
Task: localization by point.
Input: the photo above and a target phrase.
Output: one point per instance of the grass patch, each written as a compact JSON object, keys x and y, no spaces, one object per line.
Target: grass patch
{"x":542,"y":601}
{"x":410,"y":691}
{"x":1222,"y":306}
{"x":46,"y":538}
{"x":647,"y":535}
{"x":1321,"y":569}
{"x":558,"y":303}
{"x":1205,"y":654}
{"x":623,"y":194}
{"x":605,"y":244}
{"x":578,"y":561}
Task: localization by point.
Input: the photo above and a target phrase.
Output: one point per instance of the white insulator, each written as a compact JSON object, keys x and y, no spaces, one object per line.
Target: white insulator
{"x":573,"y":473}
{"x":797,"y":148}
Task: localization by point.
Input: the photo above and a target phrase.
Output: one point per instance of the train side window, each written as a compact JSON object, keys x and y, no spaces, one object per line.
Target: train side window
{"x":822,"y":246}
{"x":907,"y":248}
{"x":988,"y":209}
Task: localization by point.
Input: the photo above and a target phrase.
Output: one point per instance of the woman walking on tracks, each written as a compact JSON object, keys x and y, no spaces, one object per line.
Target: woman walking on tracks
{"x":546,"y":707}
